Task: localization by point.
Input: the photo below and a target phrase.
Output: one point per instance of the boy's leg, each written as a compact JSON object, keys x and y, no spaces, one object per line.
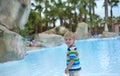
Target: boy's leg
{"x":76,"y":73}
{"x":71,"y":74}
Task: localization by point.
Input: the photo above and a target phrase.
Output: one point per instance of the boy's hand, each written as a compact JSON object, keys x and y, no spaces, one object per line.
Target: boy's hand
{"x":66,"y":71}
{"x":69,"y":65}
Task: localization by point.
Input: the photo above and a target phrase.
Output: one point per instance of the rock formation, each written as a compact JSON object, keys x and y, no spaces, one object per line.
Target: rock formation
{"x":50,"y":40}
{"x":81,"y":31}
{"x":13,"y":14}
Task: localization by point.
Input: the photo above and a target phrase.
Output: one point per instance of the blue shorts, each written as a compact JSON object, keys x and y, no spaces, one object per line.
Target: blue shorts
{"x":74,"y":70}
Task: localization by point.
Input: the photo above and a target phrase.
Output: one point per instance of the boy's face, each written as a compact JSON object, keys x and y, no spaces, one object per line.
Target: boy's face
{"x":69,"y":41}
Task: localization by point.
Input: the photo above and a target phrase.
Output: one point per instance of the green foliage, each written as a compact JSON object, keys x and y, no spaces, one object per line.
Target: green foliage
{"x":22,"y":32}
{"x":33,"y":24}
{"x":118,"y":19}
{"x":49,"y":11}
{"x":57,"y":29}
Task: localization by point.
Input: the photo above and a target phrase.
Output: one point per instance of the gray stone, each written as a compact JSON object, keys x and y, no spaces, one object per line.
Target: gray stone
{"x":13,"y":14}
{"x":109,"y":34}
{"x":81,"y":31}
{"x":12,"y":46}
{"x":50,"y":40}
{"x":60,"y":30}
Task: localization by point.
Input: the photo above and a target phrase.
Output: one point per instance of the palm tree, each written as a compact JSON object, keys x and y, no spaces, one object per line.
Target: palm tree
{"x":68,"y":14}
{"x":106,"y":10}
{"x":74,"y":5}
{"x":33,"y":23}
{"x":83,"y":10}
{"x":38,"y":6}
{"x":91,"y":6}
{"x":60,"y":6}
{"x":112,"y":3}
{"x":53,"y":13}
{"x":106,"y":14}
{"x":91,"y":11}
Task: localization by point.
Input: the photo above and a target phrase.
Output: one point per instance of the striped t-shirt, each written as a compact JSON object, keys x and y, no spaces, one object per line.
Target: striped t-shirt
{"x":73,"y":54}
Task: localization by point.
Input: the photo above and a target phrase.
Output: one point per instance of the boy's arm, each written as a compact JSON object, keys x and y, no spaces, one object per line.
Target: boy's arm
{"x":69,"y":65}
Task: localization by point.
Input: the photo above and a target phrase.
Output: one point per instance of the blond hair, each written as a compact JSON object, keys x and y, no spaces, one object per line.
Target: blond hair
{"x":69,"y":34}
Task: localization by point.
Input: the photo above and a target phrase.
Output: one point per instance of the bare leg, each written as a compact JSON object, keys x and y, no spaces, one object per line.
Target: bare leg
{"x":71,"y":74}
{"x":76,"y":73}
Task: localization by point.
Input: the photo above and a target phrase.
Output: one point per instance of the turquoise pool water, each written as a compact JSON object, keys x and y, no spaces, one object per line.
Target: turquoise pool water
{"x":99,"y":57}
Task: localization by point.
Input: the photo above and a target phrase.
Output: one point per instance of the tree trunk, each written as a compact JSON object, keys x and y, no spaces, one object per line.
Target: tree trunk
{"x":54,"y":22}
{"x":93,"y":19}
{"x":111,"y":14}
{"x":80,"y":16}
{"x":106,"y":11}
{"x":61,"y":21}
{"x":85,"y":18}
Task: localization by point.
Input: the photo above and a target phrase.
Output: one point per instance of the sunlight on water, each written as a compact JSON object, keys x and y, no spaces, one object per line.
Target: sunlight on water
{"x":99,"y":57}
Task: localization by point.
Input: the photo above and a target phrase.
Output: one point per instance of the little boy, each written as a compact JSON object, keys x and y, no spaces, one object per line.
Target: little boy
{"x":73,"y":63}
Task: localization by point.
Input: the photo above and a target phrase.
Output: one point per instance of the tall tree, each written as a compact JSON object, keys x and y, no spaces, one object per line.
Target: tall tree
{"x":60,"y":11}
{"x":33,"y":23}
{"x":53,"y":12}
{"x":91,"y":6}
{"x":106,"y":10}
{"x":91,"y":11}
{"x":38,"y":6}
{"x":112,"y":3}
{"x":83,"y":10}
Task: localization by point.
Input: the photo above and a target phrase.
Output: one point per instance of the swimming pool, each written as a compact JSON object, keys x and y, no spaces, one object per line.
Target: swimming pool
{"x":99,"y":57}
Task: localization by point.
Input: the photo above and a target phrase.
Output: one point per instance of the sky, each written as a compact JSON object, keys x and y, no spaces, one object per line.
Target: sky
{"x":100,"y":9}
